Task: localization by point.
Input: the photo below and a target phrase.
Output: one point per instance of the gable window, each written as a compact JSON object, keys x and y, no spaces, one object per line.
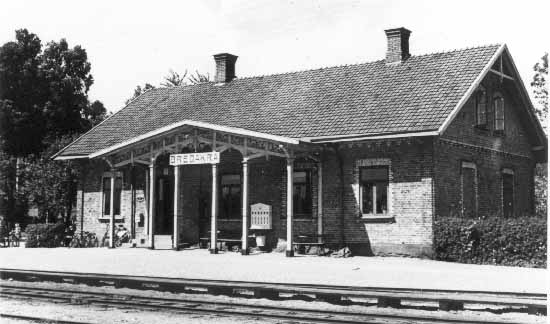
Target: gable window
{"x":106,"y":193}
{"x":230,"y":204}
{"x":498,"y":105}
{"x":481,"y":107}
{"x":302,"y":193}
{"x":374,"y":181}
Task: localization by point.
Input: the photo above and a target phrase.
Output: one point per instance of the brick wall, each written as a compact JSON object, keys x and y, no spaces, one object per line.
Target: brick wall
{"x":408,"y":229}
{"x":490,"y":152}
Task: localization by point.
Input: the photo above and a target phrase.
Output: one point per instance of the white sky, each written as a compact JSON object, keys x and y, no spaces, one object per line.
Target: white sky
{"x":133,"y":42}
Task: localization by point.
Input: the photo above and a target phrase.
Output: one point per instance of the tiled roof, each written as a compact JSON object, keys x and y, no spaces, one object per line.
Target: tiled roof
{"x":367,"y":99}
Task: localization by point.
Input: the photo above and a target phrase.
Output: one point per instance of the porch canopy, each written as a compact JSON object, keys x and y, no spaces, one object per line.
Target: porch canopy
{"x":196,"y":136}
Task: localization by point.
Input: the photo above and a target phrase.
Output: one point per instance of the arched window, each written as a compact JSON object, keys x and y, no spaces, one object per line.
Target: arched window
{"x":481,"y":107}
{"x":498,"y":106}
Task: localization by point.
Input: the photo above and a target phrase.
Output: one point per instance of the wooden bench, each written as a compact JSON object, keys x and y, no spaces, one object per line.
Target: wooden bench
{"x":224,"y":237}
{"x":303,"y":241}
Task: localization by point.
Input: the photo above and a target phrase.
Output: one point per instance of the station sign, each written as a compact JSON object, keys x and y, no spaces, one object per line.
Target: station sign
{"x":195,"y":158}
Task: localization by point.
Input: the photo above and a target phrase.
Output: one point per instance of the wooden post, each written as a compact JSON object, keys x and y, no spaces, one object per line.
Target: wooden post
{"x":112,"y":211}
{"x":213,"y":226}
{"x":176,"y":204}
{"x":289,"y":205}
{"x":320,"y":201}
{"x":147,"y":202}
{"x":244,"y":247}
{"x":152,"y":205}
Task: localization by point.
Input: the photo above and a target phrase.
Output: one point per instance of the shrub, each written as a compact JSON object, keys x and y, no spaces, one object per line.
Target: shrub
{"x":492,"y":240}
{"x":44,"y":235}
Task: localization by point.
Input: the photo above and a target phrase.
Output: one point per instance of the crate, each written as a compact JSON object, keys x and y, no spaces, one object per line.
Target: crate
{"x":260,"y":216}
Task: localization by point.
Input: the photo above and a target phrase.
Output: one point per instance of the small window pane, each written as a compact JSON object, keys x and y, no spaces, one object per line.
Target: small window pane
{"x":231,"y":179}
{"x":381,"y":198}
{"x":499,"y":113}
{"x":118,"y":194}
{"x":368,"y":199}
{"x":106,"y":196}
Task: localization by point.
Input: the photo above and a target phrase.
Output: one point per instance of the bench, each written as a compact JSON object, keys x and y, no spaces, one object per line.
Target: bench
{"x":303,"y":241}
{"x":223,"y":237}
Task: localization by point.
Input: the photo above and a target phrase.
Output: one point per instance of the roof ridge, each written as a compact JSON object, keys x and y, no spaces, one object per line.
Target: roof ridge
{"x":333,"y":66}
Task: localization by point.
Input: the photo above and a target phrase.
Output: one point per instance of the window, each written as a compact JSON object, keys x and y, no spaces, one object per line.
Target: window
{"x":481,"y":107}
{"x":469,"y":189}
{"x":374,"y":190}
{"x":302,"y":193}
{"x":498,"y":104}
{"x":230,"y":205}
{"x":508,"y":192}
{"x":106,"y":189}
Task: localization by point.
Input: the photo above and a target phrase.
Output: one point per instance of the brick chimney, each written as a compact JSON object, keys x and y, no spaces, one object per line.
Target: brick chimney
{"x":398,"y":45}
{"x":225,"y":67}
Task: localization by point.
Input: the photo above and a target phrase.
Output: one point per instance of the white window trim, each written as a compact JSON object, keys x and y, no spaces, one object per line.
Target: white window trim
{"x":468,"y":165}
{"x":109,"y":175}
{"x":357,"y":186}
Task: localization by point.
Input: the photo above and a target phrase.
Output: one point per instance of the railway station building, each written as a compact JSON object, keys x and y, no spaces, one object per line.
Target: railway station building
{"x":365,"y":155}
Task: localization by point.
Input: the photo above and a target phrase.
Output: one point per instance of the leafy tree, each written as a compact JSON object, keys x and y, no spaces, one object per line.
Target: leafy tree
{"x":93,"y":114}
{"x":43,"y":102}
{"x":22,"y":95}
{"x":139,"y":91}
{"x":540,"y":90}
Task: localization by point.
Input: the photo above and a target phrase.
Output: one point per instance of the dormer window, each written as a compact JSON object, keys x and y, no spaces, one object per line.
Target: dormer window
{"x":498,"y":106}
{"x":481,"y":107}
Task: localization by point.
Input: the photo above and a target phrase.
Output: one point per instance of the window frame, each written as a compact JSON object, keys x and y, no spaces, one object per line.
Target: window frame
{"x":481,"y":93}
{"x":374,"y":213}
{"x":309,"y":188}
{"x":498,"y":97}
{"x":238,"y":213}
{"x":118,"y":176}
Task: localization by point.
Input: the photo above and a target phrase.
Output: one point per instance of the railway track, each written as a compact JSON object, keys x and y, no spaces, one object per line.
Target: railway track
{"x":194,"y":306}
{"x":386,"y":297}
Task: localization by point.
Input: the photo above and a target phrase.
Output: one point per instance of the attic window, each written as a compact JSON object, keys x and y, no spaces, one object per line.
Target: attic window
{"x":498,"y":105}
{"x":481,"y":107}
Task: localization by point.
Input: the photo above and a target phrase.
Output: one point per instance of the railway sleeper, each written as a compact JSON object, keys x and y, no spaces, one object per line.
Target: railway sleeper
{"x":450,"y":305}
{"x":389,"y":302}
{"x":266,"y":293}
{"x":329,"y":298}
{"x":536,"y":310}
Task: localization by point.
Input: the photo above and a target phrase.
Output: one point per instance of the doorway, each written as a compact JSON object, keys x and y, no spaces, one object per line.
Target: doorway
{"x":164,"y":204}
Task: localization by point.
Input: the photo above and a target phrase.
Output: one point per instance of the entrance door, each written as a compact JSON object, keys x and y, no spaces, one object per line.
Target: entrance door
{"x":508,"y":194}
{"x":164,"y":217}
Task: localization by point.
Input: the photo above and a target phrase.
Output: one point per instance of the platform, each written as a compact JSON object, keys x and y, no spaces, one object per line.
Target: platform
{"x":276,"y":268}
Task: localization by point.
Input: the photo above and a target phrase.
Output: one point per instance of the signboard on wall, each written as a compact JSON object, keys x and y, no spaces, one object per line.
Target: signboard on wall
{"x":195,"y":158}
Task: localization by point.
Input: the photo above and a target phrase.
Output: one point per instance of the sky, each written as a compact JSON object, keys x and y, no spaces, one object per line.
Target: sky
{"x":130,"y":43}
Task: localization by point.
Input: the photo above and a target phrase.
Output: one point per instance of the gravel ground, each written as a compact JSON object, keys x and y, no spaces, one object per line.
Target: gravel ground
{"x":275,"y":267}
{"x":96,"y":314}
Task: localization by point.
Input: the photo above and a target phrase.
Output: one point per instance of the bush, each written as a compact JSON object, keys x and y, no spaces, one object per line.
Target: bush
{"x":44,"y":235}
{"x":492,"y":240}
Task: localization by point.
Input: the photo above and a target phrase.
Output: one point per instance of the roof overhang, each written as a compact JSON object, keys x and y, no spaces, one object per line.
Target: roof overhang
{"x":171,"y":127}
{"x":361,"y":137}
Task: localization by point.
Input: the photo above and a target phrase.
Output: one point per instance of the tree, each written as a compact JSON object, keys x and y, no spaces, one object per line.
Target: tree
{"x":198,"y":78}
{"x":93,"y":114}
{"x":43,"y":100}
{"x":540,"y":91}
{"x":138,"y":91}
{"x":174,"y":79}
{"x":43,"y":94}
